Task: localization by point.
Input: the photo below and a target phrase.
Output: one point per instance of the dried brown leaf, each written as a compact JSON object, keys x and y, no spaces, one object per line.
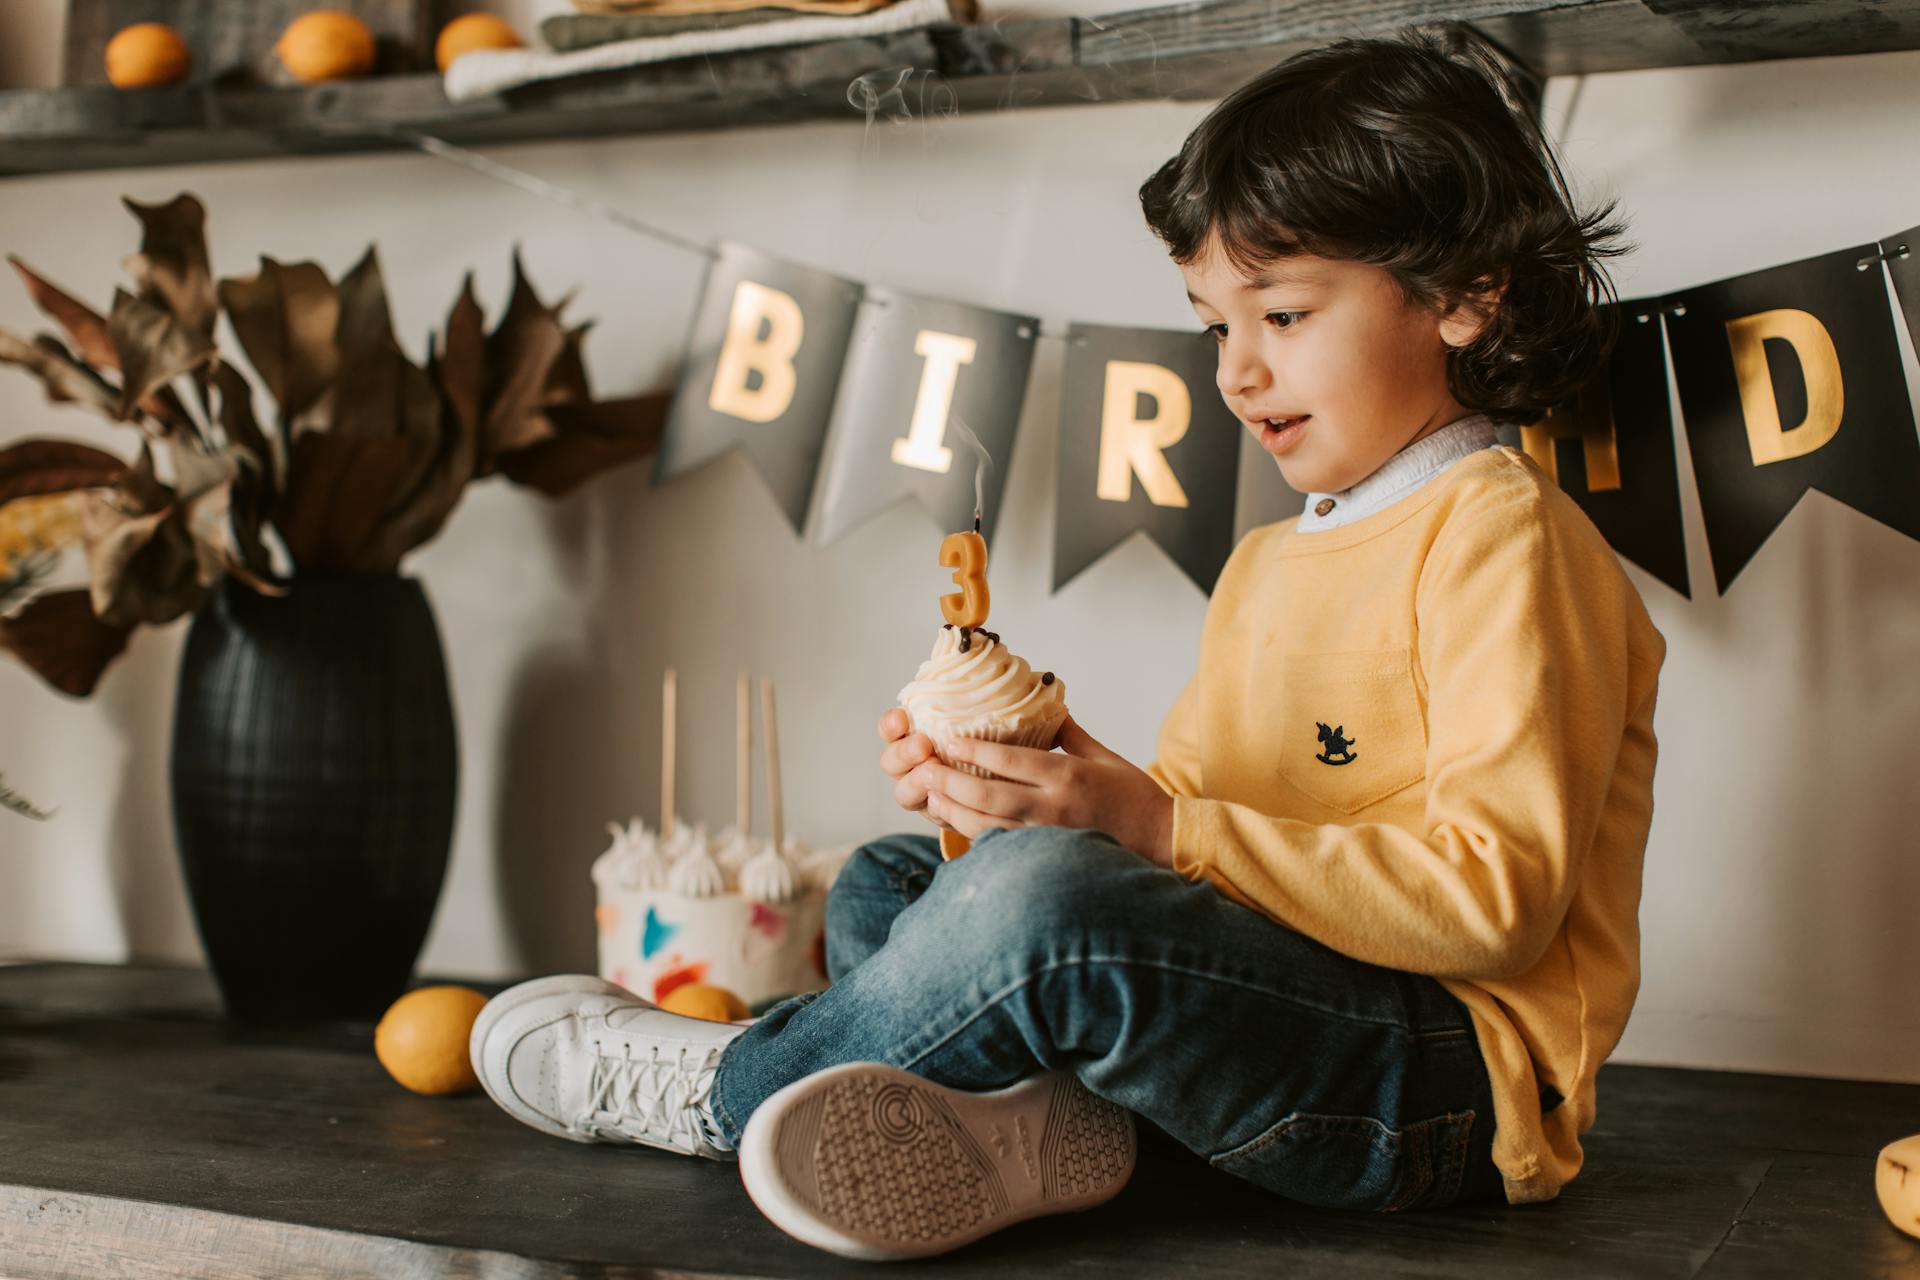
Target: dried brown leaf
{"x":172,"y":267}
{"x":338,"y":490}
{"x":241,"y":428}
{"x":32,"y":467}
{"x":567,"y":384}
{"x":520,"y":356}
{"x":285,"y":316}
{"x":57,"y":636}
{"x":91,"y":341}
{"x":85,"y":326}
{"x":366,"y":389}
{"x":154,"y":349}
{"x":589,"y":439}
{"x":144,"y":567}
{"x":65,"y":380}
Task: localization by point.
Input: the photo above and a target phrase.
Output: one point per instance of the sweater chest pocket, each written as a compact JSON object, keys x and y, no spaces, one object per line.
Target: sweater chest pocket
{"x":1353,"y":729}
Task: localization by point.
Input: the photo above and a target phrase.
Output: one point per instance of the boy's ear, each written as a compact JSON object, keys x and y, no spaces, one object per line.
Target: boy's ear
{"x":1469,"y":315}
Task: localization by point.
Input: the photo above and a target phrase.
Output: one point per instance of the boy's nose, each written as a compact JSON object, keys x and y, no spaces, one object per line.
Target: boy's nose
{"x":1241,"y":373}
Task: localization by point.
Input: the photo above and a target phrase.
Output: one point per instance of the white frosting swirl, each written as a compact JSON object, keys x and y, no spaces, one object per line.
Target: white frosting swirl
{"x":769,"y":877}
{"x":697,"y":875}
{"x":979,"y":692}
{"x":685,"y":840}
{"x":733,"y":847}
{"x":632,"y":861}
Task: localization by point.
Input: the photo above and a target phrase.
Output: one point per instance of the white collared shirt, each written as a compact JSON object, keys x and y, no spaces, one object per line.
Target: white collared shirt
{"x":1401,"y":474}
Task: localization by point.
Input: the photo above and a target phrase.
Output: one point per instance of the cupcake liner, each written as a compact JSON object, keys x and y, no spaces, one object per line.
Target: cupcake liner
{"x":1039,"y":734}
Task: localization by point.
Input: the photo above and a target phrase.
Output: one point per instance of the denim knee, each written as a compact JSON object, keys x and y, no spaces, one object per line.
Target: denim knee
{"x":889,"y":866}
{"x":1029,"y":889}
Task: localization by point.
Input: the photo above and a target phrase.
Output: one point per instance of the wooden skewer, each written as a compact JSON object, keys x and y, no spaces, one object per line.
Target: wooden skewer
{"x":743,"y":754}
{"x":775,"y":816}
{"x":669,"y":697}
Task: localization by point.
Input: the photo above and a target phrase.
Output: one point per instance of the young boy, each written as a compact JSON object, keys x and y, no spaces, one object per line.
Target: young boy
{"x":1366,"y":929}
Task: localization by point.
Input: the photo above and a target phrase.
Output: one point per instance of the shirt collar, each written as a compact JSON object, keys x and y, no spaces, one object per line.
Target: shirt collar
{"x":1401,"y":474}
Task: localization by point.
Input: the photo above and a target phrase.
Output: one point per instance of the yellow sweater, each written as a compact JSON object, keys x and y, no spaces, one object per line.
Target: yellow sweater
{"x":1477,"y":651}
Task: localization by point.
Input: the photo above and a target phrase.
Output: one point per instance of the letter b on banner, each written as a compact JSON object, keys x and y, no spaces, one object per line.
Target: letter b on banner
{"x":1140,"y":405}
{"x":763,"y":361}
{"x":745,"y":352}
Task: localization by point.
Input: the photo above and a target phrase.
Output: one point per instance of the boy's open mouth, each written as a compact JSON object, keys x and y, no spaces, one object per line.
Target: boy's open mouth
{"x":1280,"y":432}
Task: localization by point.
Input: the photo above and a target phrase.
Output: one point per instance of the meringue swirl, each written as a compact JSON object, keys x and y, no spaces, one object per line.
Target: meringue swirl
{"x":985,"y":691}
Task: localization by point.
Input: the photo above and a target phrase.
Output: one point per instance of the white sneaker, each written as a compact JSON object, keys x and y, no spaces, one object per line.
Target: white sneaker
{"x":872,"y":1162}
{"x":583,"y":1059}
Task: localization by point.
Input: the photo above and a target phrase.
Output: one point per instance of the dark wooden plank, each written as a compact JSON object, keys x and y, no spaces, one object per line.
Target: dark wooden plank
{"x":1202,"y":49}
{"x":1816,"y":1215}
{"x":137,"y":1127}
{"x":1757,"y":1111}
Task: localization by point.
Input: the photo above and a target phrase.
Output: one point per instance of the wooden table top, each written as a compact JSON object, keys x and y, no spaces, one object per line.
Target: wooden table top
{"x":141,"y":1135}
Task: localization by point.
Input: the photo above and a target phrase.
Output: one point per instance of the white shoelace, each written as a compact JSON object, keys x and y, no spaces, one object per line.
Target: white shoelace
{"x":652,"y":1099}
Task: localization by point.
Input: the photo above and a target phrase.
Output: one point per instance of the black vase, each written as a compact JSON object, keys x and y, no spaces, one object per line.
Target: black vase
{"x":314,"y":771}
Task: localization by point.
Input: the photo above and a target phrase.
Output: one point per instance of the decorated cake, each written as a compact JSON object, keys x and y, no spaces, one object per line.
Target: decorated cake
{"x":729,"y":911}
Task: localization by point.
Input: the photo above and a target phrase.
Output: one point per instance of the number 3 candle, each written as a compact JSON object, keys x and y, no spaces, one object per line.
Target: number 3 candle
{"x":966,"y":554}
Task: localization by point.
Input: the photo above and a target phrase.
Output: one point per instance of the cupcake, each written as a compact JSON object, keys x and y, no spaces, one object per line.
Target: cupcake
{"x":974,"y":687}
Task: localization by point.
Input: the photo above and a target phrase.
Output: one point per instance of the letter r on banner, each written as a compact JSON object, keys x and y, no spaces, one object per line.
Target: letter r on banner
{"x":1130,"y":444}
{"x":921,"y":447}
{"x":1767,"y":438}
{"x":744,"y":351}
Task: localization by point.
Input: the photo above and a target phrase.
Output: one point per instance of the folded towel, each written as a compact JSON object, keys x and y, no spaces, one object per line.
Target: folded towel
{"x":488,"y":71}
{"x":566,"y":32}
{"x":615,"y":8}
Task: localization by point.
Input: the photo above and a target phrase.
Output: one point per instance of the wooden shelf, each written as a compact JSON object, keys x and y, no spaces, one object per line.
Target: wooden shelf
{"x":1198,"y":50}
{"x":141,"y":1135}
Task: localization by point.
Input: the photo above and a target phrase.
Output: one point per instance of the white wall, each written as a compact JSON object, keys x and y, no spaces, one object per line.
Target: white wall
{"x":1780,"y":880}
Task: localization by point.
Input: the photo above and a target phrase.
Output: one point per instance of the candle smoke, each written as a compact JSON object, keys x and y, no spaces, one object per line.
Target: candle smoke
{"x":980,"y":470}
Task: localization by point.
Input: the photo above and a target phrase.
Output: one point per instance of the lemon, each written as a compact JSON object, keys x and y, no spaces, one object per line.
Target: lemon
{"x":422,"y":1039}
{"x":702,"y":1000}
{"x":326,"y":44}
{"x":473,"y":31}
{"x":147,"y":54}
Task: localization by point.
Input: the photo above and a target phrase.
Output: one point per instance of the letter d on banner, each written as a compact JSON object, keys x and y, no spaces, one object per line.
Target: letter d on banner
{"x":762,"y":364}
{"x":1760,"y":361}
{"x":1142,"y":404}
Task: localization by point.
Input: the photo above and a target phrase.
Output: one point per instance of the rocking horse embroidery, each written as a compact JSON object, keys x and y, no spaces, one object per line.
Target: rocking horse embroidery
{"x":1338,"y":744}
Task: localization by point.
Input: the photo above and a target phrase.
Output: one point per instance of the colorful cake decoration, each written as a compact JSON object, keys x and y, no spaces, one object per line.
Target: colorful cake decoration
{"x":740,"y":911}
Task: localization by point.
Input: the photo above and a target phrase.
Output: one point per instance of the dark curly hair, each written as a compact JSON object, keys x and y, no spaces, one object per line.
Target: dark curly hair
{"x":1415,"y":154}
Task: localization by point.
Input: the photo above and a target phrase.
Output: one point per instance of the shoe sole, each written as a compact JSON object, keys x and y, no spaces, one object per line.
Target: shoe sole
{"x":513,"y":998}
{"x":871,"y":1162}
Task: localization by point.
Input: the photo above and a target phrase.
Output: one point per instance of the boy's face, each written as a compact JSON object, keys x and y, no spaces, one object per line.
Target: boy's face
{"x":1334,"y":343}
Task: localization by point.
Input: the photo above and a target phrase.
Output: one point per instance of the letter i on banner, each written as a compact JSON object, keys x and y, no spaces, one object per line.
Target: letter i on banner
{"x":762,"y":364}
{"x":1146,"y":445}
{"x":918,"y":366}
{"x":1790,"y":379}
{"x":1611,"y":450}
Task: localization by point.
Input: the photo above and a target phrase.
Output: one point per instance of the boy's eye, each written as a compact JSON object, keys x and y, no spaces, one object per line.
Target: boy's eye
{"x":1218,"y":332}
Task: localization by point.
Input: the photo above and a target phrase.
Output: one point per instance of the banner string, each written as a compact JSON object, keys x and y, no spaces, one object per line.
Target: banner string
{"x":538,"y":186}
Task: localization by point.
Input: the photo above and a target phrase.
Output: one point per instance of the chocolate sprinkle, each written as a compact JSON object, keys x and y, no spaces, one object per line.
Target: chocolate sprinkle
{"x":1046,"y":677}
{"x":966,"y":639}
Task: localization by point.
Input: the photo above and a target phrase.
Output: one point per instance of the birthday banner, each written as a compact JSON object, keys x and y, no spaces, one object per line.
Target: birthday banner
{"x":850,"y":398}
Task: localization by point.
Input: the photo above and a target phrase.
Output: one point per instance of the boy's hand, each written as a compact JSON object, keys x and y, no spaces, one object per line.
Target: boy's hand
{"x":1088,"y":786}
{"x":903,"y":751}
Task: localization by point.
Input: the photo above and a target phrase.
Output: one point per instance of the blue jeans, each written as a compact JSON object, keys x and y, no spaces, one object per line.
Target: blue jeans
{"x":1325,"y":1079}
